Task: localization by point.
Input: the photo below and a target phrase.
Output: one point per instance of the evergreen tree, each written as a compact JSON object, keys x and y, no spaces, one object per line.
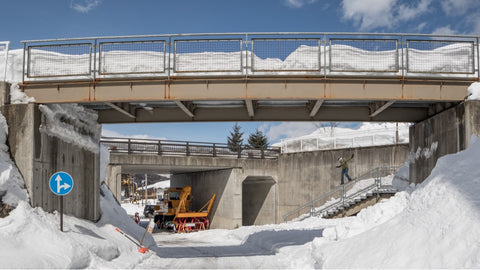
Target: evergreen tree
{"x":258,"y":140}
{"x":235,"y":140}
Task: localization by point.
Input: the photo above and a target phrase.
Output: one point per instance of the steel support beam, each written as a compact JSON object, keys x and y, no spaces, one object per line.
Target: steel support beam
{"x":184,"y":108}
{"x":381,"y":108}
{"x":316,"y":107}
{"x":117,"y":108}
{"x":255,"y":89}
{"x":250,"y":110}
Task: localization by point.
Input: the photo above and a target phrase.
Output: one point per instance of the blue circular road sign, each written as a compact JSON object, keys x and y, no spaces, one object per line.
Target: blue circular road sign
{"x":61,"y":183}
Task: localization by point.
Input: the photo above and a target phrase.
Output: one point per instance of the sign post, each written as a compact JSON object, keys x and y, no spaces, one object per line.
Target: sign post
{"x":61,"y":183}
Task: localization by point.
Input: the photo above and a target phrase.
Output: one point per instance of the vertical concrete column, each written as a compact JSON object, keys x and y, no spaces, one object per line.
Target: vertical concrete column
{"x":445,"y":133}
{"x":38,"y":156}
{"x":114,"y":181}
{"x":4,"y":93}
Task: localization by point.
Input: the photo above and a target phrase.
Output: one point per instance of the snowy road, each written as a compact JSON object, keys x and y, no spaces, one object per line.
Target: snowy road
{"x":258,"y":244}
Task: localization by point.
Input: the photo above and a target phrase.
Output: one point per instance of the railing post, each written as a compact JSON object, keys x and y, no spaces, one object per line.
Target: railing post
{"x":188,"y":149}
{"x":262,"y":151}
{"x":159,"y":148}
{"x":214,"y":151}
{"x":239,"y":154}
{"x":129,"y":150}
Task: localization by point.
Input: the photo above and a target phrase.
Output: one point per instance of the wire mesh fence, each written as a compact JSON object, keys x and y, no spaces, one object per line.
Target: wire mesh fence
{"x":286,"y":54}
{"x":314,"y":54}
{"x":135,"y":57}
{"x":363,"y":55}
{"x":208,"y":55}
{"x":59,"y":60}
{"x":440,"y":56}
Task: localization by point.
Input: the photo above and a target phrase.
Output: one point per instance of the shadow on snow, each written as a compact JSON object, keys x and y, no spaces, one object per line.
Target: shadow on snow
{"x":258,"y":244}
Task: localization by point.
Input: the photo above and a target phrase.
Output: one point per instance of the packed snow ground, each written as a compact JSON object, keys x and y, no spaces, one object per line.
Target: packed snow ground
{"x":428,"y":226}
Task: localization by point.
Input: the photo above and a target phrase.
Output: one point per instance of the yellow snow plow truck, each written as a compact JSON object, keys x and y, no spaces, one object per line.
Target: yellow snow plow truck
{"x":174,"y":211}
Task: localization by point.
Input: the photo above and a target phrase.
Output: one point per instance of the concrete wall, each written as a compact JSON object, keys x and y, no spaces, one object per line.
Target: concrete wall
{"x":303,"y":177}
{"x":446,"y":133}
{"x":114,"y":181}
{"x":38,"y":156}
{"x":227,"y":210}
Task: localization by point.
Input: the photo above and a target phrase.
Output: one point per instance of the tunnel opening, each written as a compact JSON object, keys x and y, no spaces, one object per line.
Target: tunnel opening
{"x":258,"y":200}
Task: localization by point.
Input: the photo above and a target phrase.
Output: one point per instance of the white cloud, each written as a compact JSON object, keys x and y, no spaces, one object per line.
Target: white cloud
{"x":408,"y":12}
{"x":458,"y":7}
{"x":84,"y":6}
{"x":371,"y":14}
{"x":298,"y":3}
{"x":289,"y":130}
{"x":111,"y":133}
{"x":444,"y":30}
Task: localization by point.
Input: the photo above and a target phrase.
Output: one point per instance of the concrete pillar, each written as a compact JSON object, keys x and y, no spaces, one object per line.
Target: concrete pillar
{"x":114,"y":181}
{"x":4,"y":93}
{"x":38,"y":156}
{"x":445,"y":133}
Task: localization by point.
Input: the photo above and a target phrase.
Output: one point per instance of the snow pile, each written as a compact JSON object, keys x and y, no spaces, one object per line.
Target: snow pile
{"x":474,"y":91}
{"x":369,"y":134}
{"x":12,"y":190}
{"x":31,"y":238}
{"x":73,"y":124}
{"x":435,"y":228}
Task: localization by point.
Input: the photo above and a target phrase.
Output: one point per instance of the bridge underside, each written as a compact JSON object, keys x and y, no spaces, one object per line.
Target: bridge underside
{"x":257,"y":99}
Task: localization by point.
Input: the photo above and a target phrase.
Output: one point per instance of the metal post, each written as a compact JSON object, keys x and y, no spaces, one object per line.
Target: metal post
{"x":6,"y":61}
{"x":145,"y":189}
{"x":61,"y":213}
{"x":159,"y":148}
{"x":94,"y":70}
{"x":188,"y":149}
{"x":214,"y":151}
{"x":239,"y":152}
{"x":23,"y":66}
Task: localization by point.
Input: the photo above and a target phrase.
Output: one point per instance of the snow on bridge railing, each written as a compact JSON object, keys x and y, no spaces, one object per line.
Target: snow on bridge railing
{"x":253,"y":54}
{"x":4,"y":57}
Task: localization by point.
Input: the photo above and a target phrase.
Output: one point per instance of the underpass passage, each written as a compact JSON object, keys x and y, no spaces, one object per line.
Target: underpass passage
{"x":258,"y":200}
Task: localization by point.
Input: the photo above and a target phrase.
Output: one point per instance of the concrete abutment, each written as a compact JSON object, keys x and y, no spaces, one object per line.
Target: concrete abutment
{"x":445,"y":133}
{"x":38,"y":156}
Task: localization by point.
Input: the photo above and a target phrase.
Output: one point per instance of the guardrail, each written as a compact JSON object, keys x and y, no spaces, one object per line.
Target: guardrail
{"x":319,"y":205}
{"x":323,"y":55}
{"x":183,"y":148}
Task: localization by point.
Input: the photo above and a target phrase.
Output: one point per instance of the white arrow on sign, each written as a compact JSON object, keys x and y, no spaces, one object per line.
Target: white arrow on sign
{"x":65,"y":186}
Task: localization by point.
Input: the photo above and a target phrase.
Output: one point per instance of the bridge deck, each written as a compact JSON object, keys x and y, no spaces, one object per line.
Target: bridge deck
{"x":254,"y":76}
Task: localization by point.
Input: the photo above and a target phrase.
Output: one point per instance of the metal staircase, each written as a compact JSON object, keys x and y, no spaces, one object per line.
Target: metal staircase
{"x":324,"y":206}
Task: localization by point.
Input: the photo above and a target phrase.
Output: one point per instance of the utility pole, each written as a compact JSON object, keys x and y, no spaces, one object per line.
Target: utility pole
{"x":145,"y":186}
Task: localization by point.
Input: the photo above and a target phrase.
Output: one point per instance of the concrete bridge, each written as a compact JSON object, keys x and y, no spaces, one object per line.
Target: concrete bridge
{"x":250,"y":190}
{"x":239,"y":77}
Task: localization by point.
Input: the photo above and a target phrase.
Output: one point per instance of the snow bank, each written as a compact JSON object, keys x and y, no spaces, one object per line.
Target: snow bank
{"x":433,"y":226}
{"x":474,"y":91}
{"x":12,"y":190}
{"x":73,"y":124}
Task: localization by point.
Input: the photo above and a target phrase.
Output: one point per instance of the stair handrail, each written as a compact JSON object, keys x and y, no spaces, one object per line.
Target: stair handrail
{"x":373,"y":173}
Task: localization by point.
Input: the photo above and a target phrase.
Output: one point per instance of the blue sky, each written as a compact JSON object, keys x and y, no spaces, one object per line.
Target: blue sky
{"x":47,"y":19}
